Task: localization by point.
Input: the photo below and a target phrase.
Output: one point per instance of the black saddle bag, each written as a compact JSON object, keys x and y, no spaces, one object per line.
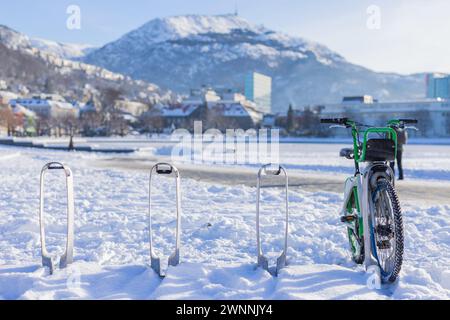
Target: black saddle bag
{"x":380,"y":150}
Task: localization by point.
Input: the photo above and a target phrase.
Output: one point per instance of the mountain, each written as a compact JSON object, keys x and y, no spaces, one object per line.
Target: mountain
{"x":26,"y":69}
{"x":184,"y":52}
{"x":69,"y":51}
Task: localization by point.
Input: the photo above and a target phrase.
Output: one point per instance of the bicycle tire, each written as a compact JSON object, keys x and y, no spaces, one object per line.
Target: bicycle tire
{"x":386,"y":207}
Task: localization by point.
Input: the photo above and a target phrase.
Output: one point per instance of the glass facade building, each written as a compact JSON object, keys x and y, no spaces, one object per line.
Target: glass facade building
{"x":438,"y":86}
{"x":258,"y":88}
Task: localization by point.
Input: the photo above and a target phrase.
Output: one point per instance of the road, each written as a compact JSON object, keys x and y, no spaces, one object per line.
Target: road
{"x":412,"y":191}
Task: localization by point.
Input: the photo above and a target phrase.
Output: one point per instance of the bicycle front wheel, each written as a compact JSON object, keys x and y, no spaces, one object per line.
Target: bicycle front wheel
{"x":387,"y":230}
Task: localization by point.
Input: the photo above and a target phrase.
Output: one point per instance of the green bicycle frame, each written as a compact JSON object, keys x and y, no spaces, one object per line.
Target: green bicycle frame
{"x":357,"y":209}
{"x":360,"y":150}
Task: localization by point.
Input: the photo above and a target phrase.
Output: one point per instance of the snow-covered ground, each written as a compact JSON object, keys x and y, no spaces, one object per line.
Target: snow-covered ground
{"x":218,"y":236}
{"x":421,"y":161}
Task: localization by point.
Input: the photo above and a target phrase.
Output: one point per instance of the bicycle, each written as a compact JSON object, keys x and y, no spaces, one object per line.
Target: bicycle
{"x":371,"y":209}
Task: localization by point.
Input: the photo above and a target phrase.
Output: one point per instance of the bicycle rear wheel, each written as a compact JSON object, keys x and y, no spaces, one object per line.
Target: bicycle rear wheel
{"x":387,"y":230}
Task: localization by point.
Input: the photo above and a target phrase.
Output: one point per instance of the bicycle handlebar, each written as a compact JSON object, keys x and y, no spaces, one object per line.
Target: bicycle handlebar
{"x":341,"y":121}
{"x":347,"y":123}
{"x":409,"y":121}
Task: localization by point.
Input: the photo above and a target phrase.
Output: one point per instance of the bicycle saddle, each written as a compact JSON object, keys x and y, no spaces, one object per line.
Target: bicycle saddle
{"x":347,"y":153}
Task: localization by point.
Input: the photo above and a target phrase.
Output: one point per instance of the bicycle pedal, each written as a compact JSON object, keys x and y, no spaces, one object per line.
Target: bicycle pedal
{"x":384,"y":244}
{"x":349,"y":218}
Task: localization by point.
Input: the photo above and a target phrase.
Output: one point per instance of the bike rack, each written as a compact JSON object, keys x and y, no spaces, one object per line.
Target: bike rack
{"x":174,"y":259}
{"x":67,"y":257}
{"x":263,"y":262}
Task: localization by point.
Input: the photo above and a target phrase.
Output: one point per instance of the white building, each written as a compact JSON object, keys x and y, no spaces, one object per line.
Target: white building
{"x":433,"y":114}
{"x":202,"y":96}
{"x":47,"y":106}
{"x":6,"y":96}
{"x":236,"y":105}
{"x":258,"y":88}
{"x":132,"y":107}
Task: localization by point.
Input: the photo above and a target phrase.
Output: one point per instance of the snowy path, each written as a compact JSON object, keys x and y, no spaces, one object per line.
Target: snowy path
{"x":218,"y":252}
{"x":410,"y":190}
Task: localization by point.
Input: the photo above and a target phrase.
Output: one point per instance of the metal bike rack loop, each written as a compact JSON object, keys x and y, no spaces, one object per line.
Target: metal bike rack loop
{"x":67,"y":257}
{"x":174,"y":259}
{"x":263,"y":262}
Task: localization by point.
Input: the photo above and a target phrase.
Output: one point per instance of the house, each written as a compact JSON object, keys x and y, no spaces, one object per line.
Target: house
{"x":47,"y":106}
{"x":227,"y":110}
{"x":234,"y":115}
{"x":6,"y":96}
{"x":183,"y":115}
{"x":24,"y":121}
{"x":131,"y":107}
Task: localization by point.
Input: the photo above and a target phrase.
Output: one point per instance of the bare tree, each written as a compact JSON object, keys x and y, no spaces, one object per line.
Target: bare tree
{"x":69,"y":124}
{"x":109,"y":112}
{"x":118,"y":124}
{"x":90,"y":123}
{"x":43,"y":126}
{"x":9,"y":120}
{"x":151,"y":122}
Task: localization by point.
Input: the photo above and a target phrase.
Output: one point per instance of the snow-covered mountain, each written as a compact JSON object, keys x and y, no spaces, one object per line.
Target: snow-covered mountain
{"x":70,"y":51}
{"x":13,"y":39}
{"x":26,"y":68}
{"x":184,"y":52}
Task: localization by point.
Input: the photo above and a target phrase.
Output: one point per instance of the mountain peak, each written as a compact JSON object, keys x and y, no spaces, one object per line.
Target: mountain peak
{"x":177,"y":27}
{"x":185,"y":52}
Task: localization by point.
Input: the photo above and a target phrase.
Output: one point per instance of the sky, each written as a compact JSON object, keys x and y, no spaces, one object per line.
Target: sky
{"x":402,"y":36}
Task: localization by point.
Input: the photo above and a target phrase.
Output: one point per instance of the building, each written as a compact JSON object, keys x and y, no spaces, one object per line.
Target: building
{"x":234,"y":115}
{"x":22,"y":123}
{"x":269,"y":121}
{"x":233,"y":111}
{"x":258,"y":88}
{"x":228,"y":110}
{"x":433,"y":114}
{"x":6,"y":96}
{"x":170,"y":117}
{"x":359,"y":99}
{"x":438,"y":86}
{"x":205,"y":95}
{"x":131,"y":107}
{"x":182,"y":116}
{"x":47,"y":106}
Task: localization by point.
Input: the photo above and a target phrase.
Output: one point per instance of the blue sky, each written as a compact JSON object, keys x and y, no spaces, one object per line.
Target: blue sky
{"x":413,"y":34}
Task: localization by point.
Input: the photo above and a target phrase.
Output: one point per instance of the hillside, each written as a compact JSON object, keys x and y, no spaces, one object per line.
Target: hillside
{"x":182,"y":52}
{"x":27,"y":69}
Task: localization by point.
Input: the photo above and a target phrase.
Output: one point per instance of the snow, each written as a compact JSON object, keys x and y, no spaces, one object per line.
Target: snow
{"x":176,"y":27}
{"x":218,"y":236}
{"x":13,"y":39}
{"x":202,"y":27}
{"x":16,"y":40}
{"x":57,"y":57}
{"x":226,"y":47}
{"x":427,"y":162}
{"x":68,"y":51}
{"x":179,"y":111}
